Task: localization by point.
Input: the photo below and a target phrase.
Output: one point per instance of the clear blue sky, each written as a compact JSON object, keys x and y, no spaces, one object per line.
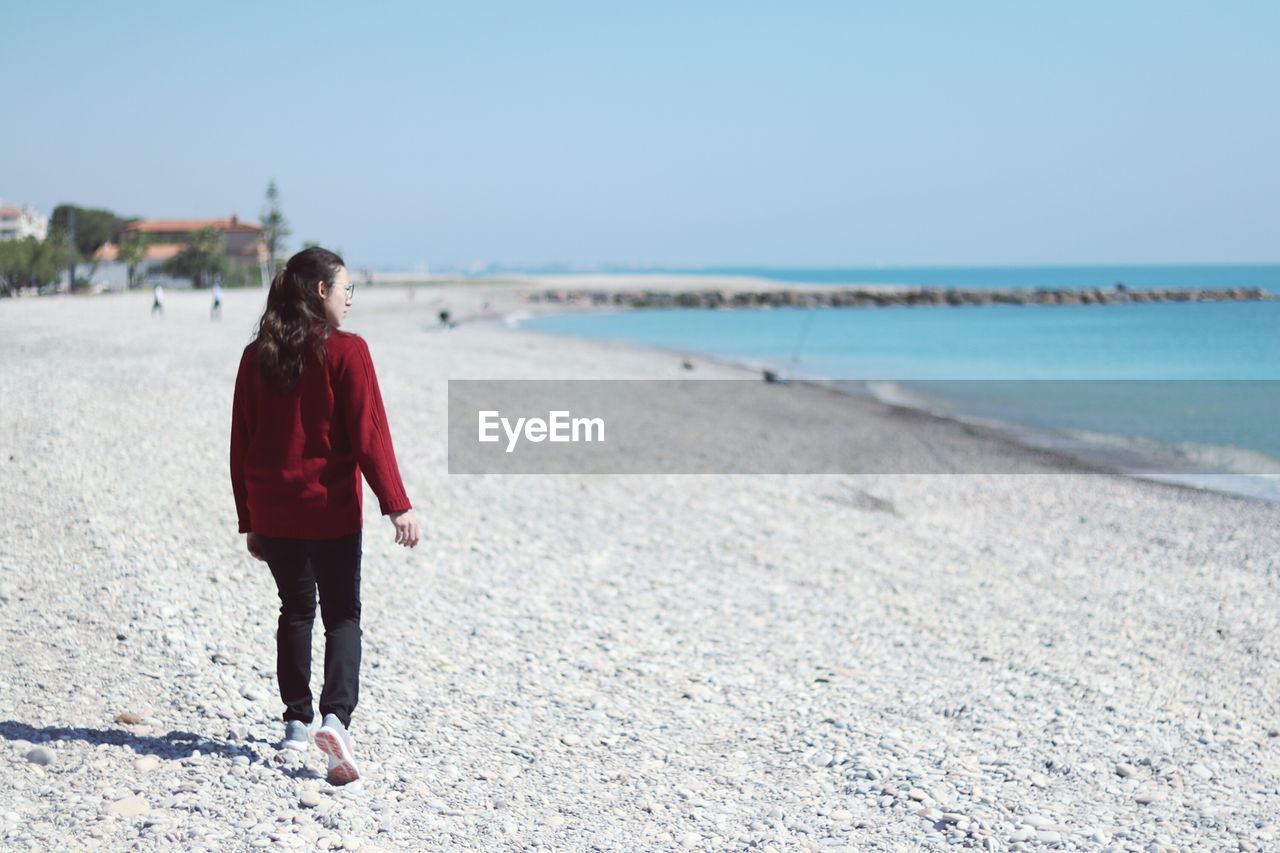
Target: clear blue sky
{"x":708,"y":133}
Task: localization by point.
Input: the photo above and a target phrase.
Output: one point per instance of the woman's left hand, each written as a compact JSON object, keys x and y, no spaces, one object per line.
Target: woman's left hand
{"x":406,"y":528}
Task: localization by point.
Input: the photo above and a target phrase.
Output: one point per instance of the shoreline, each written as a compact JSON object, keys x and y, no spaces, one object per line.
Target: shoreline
{"x":507,"y":303}
{"x":1050,"y":443}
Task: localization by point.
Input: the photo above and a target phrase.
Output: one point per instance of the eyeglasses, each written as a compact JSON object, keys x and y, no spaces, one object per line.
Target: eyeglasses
{"x":351,"y":290}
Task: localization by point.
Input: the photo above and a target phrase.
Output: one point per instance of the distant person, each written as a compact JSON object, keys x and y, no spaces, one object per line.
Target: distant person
{"x":444,"y":319}
{"x":157,"y":306}
{"x":307,"y":421}
{"x":215,"y":313}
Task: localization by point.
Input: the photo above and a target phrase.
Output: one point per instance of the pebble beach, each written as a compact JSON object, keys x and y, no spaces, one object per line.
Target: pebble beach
{"x":1054,"y":659}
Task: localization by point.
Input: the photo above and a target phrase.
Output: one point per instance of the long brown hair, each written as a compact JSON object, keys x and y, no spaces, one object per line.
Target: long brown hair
{"x":293,"y":327}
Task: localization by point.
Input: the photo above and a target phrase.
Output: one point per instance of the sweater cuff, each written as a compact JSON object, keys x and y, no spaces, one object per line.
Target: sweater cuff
{"x":401,"y":505}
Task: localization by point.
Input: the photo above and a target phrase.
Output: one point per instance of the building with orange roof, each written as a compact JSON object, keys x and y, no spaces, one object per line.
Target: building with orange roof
{"x":242,"y":241}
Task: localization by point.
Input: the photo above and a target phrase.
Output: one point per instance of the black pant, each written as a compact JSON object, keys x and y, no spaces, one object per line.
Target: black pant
{"x":299,"y":567}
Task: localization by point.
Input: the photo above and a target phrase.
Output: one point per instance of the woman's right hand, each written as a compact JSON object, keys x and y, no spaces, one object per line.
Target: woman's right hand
{"x":406,"y":528}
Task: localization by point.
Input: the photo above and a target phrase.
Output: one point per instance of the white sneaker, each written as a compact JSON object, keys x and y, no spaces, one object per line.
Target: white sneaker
{"x":335,"y":741}
{"x":297,"y":735}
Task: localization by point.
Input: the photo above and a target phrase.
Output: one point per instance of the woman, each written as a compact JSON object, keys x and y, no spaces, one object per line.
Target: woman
{"x":307,"y":421}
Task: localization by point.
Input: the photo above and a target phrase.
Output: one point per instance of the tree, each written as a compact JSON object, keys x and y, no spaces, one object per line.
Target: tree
{"x":32,"y":263}
{"x":274,"y":226}
{"x":93,"y":227}
{"x":89,"y":228}
{"x":15,"y":257}
{"x":132,"y":251}
{"x":201,"y":260}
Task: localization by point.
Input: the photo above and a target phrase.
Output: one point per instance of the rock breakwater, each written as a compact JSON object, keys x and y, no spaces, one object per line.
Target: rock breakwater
{"x":847,"y":297}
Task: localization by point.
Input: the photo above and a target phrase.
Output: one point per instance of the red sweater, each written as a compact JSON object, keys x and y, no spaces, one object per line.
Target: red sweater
{"x":296,"y":458}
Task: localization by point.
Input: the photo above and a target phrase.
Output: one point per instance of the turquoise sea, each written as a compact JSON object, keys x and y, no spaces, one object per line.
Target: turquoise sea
{"x":1184,"y":391}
